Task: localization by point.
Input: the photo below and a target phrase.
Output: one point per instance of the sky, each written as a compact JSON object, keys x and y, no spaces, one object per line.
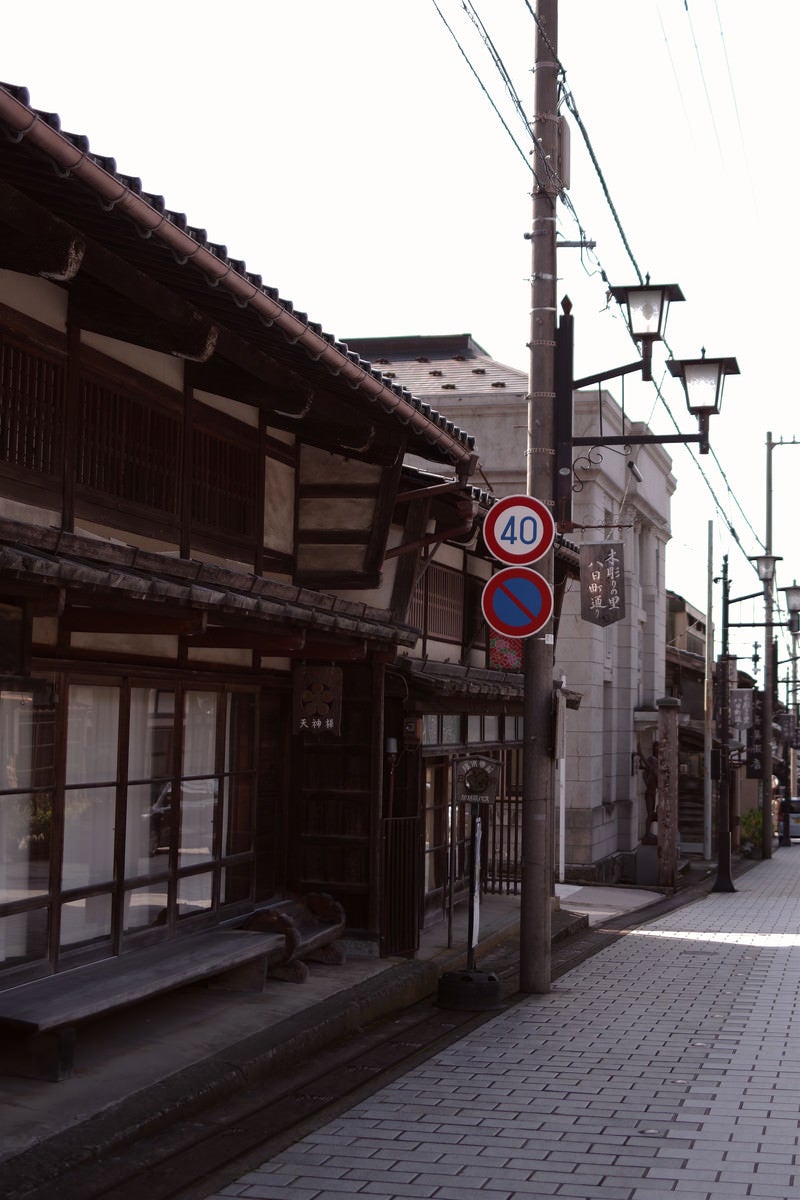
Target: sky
{"x":350,"y":153}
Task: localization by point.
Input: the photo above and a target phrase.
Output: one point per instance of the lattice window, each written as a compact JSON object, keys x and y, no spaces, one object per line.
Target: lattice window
{"x":437,"y":605}
{"x":224,"y":485}
{"x":31,"y":408}
{"x":129,"y":448}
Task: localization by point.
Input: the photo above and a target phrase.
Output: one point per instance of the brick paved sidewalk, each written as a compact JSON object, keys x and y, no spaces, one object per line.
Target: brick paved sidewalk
{"x":665,"y":1066}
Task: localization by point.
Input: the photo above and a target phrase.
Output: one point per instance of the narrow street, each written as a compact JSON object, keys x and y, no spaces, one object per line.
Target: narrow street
{"x":662,"y":1066}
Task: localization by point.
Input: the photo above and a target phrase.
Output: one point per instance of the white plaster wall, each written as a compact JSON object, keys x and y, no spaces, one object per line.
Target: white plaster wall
{"x":37,"y":298}
{"x":166,"y":368}
{"x":616,"y":669}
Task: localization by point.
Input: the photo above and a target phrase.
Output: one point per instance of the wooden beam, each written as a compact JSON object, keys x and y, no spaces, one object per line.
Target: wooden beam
{"x":280,"y":640}
{"x":103,"y":620}
{"x":43,"y":245}
{"x":54,"y":248}
{"x":335,"y":651}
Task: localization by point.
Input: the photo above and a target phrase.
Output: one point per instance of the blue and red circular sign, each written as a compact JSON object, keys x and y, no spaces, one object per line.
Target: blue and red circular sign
{"x":517,"y":602}
{"x":519,"y":530}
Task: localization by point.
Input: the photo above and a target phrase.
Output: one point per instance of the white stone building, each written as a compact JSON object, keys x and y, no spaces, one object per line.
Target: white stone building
{"x":619,"y":668}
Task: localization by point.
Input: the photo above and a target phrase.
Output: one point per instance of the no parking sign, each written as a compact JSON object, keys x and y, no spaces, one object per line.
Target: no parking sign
{"x":517,"y":602}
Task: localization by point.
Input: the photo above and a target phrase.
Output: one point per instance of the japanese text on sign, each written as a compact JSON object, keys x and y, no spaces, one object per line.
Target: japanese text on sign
{"x":602,"y":582}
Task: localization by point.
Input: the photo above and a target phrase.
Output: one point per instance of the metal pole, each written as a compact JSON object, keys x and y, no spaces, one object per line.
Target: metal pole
{"x":769,"y":685}
{"x":537,"y":805}
{"x":708,"y":715}
{"x":724,"y":882}
{"x":473,"y":882}
{"x":668,"y":708}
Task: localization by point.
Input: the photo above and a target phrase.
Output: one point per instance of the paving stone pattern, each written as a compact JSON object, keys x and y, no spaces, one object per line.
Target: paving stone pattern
{"x":668,"y":1065}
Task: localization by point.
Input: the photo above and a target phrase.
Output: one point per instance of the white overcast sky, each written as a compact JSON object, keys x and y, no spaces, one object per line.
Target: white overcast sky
{"x":348,"y":154}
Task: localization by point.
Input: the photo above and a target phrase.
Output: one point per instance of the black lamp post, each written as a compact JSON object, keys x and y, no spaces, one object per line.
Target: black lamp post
{"x":765,"y":565}
{"x":647,"y":306}
{"x":792,"y":595}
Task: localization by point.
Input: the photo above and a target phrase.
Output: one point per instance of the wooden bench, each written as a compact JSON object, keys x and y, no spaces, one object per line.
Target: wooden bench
{"x":48,"y":1010}
{"x":311,"y":926}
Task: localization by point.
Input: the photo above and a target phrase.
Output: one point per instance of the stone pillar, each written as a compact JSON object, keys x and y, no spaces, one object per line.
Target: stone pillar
{"x":668,"y":708}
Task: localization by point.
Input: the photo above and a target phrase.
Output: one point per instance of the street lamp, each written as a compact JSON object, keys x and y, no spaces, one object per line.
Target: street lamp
{"x":647,"y":307}
{"x":765,"y":565}
{"x":792,"y":595}
{"x":703,"y":380}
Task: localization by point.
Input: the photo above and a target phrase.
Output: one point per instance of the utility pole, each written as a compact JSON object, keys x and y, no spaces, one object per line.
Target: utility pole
{"x":537,"y":803}
{"x":769,"y":675}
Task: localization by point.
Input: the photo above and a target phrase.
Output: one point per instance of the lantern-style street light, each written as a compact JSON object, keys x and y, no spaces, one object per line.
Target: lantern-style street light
{"x":703,"y":380}
{"x":647,"y":306}
{"x":765,"y":565}
{"x":792,"y":595}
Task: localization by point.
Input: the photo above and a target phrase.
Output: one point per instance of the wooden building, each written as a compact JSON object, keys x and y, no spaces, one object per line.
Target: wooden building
{"x":209,"y":562}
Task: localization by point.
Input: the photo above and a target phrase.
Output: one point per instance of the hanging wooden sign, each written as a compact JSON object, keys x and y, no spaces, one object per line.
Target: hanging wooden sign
{"x":602,"y":582}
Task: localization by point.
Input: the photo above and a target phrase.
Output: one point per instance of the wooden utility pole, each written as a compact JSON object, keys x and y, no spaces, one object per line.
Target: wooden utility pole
{"x":537,"y":804}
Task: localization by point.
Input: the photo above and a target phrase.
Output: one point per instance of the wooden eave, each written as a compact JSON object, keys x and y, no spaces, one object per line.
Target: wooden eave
{"x":128,"y":281}
{"x":108,"y":588}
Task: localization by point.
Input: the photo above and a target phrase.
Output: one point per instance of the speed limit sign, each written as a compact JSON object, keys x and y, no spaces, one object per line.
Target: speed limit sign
{"x":519,"y":530}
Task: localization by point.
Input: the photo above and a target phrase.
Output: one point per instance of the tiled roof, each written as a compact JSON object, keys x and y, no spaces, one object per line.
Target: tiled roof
{"x":51,"y":557}
{"x":440,"y":365}
{"x":57,"y":169}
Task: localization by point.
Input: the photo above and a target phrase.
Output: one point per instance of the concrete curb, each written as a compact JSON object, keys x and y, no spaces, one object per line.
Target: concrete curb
{"x":251,"y":1061}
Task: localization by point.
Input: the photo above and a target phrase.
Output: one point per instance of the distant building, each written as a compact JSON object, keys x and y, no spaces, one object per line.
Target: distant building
{"x":618,"y":668}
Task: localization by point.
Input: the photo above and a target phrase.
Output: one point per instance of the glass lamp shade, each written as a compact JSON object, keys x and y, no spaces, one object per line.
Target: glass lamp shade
{"x":703,"y":380}
{"x":792,"y":597}
{"x":765,"y":565}
{"x":703,"y":383}
{"x":647,"y":307}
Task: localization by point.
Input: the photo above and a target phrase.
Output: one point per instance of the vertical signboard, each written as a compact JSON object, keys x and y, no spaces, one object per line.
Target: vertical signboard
{"x":317,"y":699}
{"x":755,"y":740}
{"x":602,"y":582}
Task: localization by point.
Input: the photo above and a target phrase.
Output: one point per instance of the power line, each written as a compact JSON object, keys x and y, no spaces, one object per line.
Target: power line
{"x":569,"y":101}
{"x":485,"y":91}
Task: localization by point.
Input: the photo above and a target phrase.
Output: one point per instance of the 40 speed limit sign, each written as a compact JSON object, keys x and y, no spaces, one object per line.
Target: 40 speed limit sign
{"x":518,"y":530}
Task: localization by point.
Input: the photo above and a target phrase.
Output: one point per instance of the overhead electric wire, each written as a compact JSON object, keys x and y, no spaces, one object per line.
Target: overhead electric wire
{"x":703,"y":77}
{"x":569,"y":101}
{"x":485,"y":91}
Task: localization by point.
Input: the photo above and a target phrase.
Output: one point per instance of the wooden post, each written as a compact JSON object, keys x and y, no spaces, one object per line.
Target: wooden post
{"x":668,"y":708}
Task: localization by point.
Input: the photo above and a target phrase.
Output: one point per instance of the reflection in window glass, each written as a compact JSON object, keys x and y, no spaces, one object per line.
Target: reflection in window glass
{"x":150,"y":736}
{"x":197,"y":810}
{"x":430,"y":729}
{"x":200,"y":733}
{"x":26,"y":742}
{"x":85,"y":921}
{"x":147,"y":829}
{"x":491,"y":728}
{"x":23,"y":937}
{"x":145,"y":906}
{"x":451,"y":729}
{"x":92,"y":734}
{"x":88,"y":837}
{"x":24,"y":846}
{"x":473,"y":728}
{"x":194,"y":894}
